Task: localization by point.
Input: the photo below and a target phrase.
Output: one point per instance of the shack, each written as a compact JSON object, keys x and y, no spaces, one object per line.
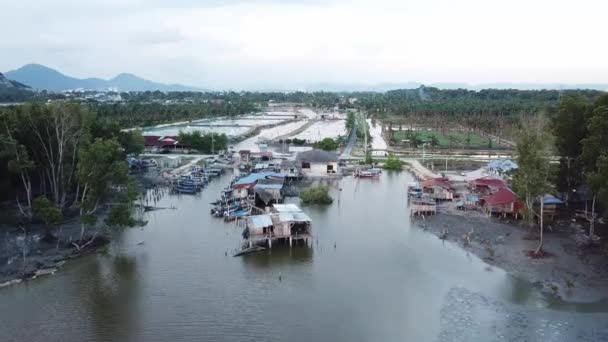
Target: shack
{"x":245,"y":156}
{"x":438,"y":189}
{"x":269,"y":193}
{"x":291,"y":169}
{"x":487,"y":185}
{"x":551,"y":205}
{"x":503,"y":203}
{"x":318,"y":162}
{"x":244,"y":187}
{"x":285,"y":222}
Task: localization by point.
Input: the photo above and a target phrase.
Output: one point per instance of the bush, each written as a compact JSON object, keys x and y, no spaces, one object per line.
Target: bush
{"x":298,"y":142}
{"x":327,"y":144}
{"x":316,"y":195}
{"x":392,"y":163}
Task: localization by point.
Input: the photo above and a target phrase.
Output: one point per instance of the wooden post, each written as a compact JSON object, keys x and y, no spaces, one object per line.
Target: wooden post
{"x":269,"y":242}
{"x":290,"y":242}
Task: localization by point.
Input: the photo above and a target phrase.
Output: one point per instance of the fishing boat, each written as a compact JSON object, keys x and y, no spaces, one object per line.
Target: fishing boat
{"x":366,"y":174}
{"x":414,"y":190}
{"x":233,"y":215}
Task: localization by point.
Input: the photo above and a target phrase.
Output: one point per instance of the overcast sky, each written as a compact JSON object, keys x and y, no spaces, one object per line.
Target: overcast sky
{"x":262,"y":43}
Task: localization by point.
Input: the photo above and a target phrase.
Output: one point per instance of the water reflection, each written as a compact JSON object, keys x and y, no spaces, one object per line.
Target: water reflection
{"x":109,"y":290}
{"x":279,"y":255}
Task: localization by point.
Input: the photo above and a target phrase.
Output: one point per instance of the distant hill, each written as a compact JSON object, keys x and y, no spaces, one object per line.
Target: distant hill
{"x":13,"y":91}
{"x":44,"y":78}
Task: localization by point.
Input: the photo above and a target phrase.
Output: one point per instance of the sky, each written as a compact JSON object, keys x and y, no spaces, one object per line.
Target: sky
{"x":253,"y":44}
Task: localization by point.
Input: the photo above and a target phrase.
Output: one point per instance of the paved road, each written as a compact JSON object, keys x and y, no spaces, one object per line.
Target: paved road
{"x":352,"y":140}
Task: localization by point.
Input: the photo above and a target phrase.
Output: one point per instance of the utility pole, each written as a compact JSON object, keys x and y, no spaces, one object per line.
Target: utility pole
{"x":212,"y":144}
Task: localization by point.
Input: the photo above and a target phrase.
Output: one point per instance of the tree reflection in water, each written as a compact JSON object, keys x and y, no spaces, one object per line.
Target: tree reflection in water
{"x":109,"y":290}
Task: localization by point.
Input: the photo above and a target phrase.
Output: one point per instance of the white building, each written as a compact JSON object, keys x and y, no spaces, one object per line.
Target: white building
{"x":318,"y":162}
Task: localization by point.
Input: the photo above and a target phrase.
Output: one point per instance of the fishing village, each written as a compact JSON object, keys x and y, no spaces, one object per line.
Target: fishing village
{"x":343,"y":171}
{"x":299,"y":183}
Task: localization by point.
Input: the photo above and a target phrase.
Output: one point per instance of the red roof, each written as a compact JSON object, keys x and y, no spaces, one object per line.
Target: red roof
{"x":441,"y":182}
{"x":502,"y":196}
{"x":490,"y":183}
{"x":151,"y":140}
{"x":157,"y":140}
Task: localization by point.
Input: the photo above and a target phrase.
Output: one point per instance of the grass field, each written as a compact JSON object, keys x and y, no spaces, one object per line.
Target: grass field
{"x":452,"y":139}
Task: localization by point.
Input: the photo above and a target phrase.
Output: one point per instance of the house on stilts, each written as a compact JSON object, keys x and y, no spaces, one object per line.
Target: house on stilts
{"x":285,"y":223}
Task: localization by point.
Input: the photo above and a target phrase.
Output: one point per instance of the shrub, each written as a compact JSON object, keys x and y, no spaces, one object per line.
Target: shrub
{"x":327,"y":144}
{"x":316,"y":195}
{"x":392,"y":163}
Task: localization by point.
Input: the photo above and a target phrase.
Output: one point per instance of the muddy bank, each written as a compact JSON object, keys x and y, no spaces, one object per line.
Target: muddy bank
{"x":29,"y":255}
{"x":570,"y":273}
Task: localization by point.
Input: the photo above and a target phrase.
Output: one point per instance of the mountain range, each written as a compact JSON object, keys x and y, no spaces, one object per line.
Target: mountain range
{"x":6,"y":83}
{"x":41,"y":77}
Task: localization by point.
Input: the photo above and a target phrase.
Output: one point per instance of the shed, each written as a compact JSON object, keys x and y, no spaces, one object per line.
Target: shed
{"x":487,"y":185}
{"x":259,"y":224}
{"x":269,"y":192}
{"x":503,"y":202}
{"x":551,"y":205}
{"x":318,"y":162}
{"x":438,"y":188}
{"x":291,"y":169}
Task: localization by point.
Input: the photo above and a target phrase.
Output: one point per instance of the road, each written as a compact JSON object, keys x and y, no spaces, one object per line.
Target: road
{"x":348,"y":149}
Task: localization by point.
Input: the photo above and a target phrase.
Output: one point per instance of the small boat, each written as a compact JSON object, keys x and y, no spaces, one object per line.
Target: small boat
{"x":367,"y":174}
{"x":414,"y":190}
{"x":233,"y":215}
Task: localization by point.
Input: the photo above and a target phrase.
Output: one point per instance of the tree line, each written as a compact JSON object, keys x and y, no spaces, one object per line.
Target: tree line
{"x":576,"y":134}
{"x":65,"y":157}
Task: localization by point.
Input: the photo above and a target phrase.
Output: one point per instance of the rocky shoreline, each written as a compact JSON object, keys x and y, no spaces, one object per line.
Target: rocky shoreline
{"x":569,"y":272}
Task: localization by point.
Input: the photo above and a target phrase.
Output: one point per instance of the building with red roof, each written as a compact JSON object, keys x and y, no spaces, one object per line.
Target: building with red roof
{"x":487,"y":185}
{"x":503,"y":202}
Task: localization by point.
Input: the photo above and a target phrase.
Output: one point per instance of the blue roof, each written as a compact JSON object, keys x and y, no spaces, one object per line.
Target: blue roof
{"x":504,"y":165}
{"x":552,"y":200}
{"x":254,"y":177}
{"x":269,"y":186}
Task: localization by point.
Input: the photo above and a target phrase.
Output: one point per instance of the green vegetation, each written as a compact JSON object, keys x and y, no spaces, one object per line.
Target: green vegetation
{"x":316,"y":195}
{"x":327,"y":144}
{"x":204,"y":143}
{"x":72,"y":156}
{"x":447,"y":139}
{"x":531,"y":181}
{"x":393,"y":163}
{"x":297,"y":142}
{"x":580,"y":128}
{"x":148,"y":114}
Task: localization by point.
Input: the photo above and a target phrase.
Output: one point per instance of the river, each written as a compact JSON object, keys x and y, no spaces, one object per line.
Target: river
{"x":369,"y":276}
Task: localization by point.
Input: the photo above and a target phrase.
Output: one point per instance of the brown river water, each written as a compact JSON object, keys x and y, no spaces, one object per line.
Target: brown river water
{"x":368,"y":276}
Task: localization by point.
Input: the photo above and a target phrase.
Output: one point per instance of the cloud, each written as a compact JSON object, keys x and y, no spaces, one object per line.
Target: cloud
{"x":238,"y":43}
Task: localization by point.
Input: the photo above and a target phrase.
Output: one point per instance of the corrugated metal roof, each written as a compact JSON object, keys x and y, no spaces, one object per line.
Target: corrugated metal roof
{"x":260,"y":221}
{"x":254,"y":177}
{"x":294,"y":217}
{"x":269,"y":186}
{"x":286,"y":208}
{"x":502,"y":196}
